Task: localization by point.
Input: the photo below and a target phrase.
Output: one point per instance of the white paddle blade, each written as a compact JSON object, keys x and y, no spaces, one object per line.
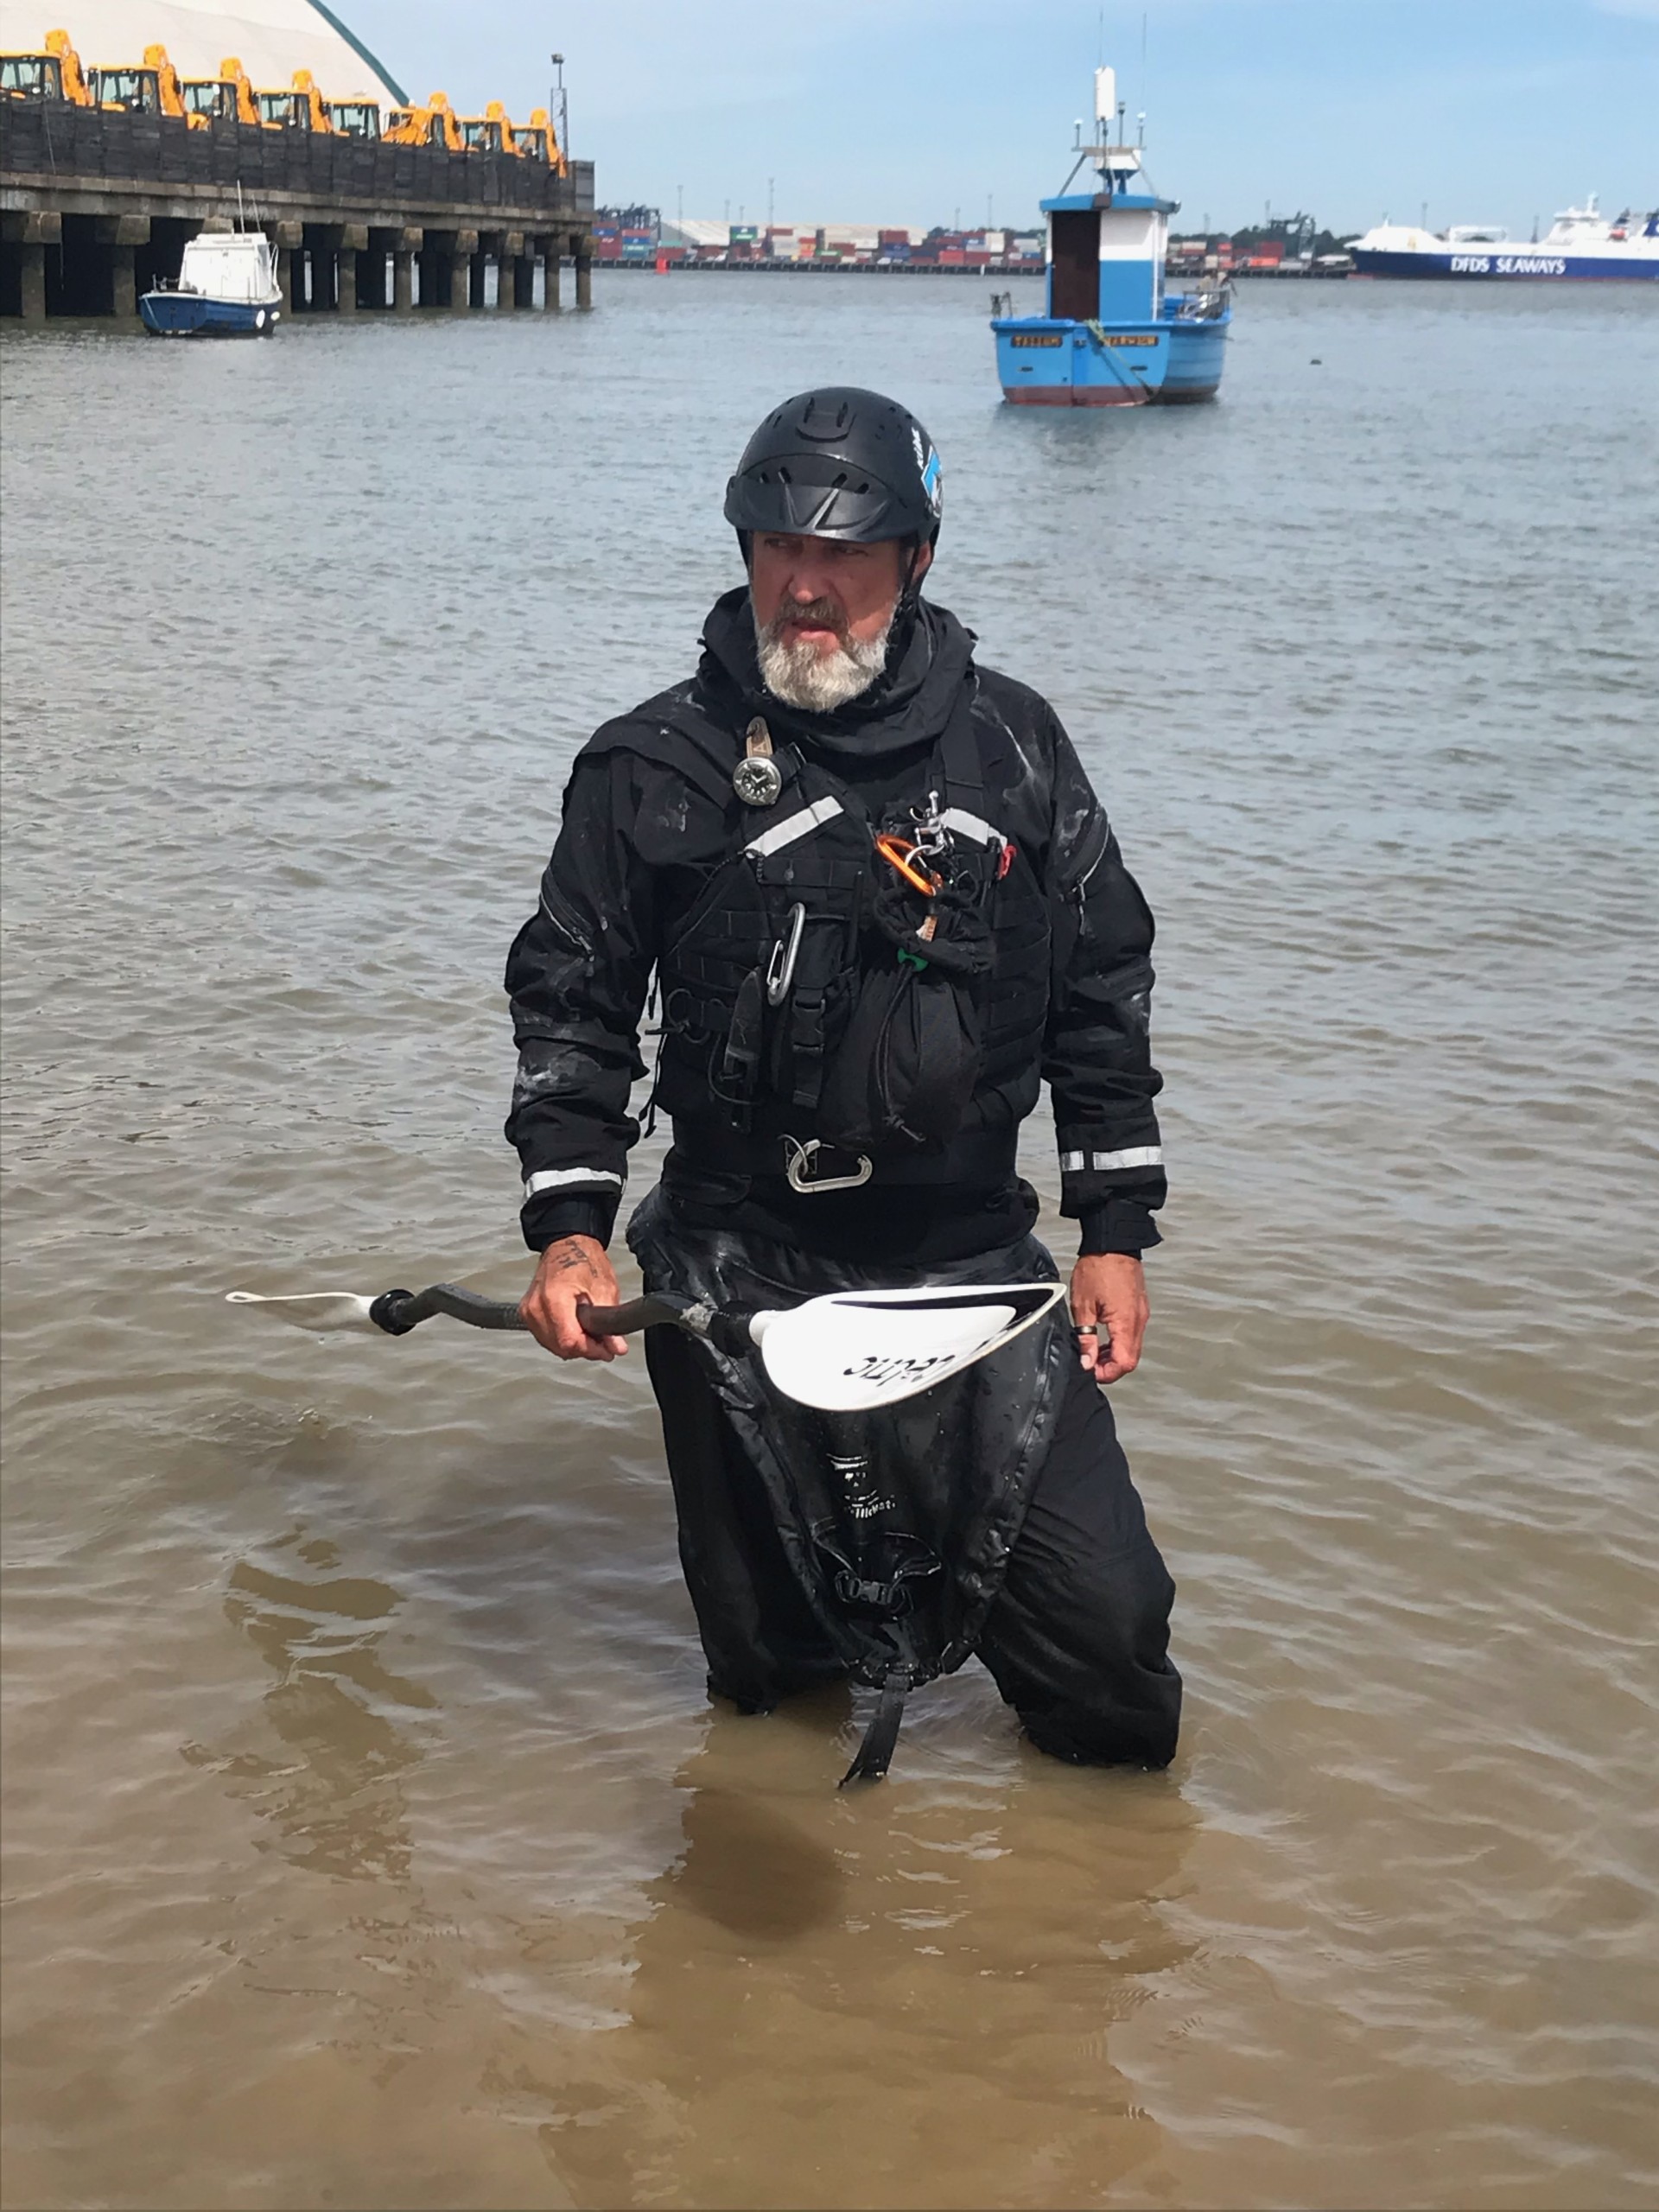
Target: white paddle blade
{"x":858,"y":1349}
{"x":315,"y":1309}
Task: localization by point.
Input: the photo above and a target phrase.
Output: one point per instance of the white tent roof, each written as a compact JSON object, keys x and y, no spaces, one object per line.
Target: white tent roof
{"x":271,"y":38}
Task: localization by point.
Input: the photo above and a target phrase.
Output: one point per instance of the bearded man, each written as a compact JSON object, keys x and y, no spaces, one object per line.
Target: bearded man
{"x":881,"y":905}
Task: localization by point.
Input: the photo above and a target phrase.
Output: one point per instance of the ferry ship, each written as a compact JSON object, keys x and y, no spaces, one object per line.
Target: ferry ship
{"x":1580,"y":242}
{"x":1111,"y":336}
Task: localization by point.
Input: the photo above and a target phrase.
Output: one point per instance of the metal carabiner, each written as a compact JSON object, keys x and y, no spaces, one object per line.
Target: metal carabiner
{"x":780,"y":969}
{"x":901,"y":854}
{"x":800,"y":1165}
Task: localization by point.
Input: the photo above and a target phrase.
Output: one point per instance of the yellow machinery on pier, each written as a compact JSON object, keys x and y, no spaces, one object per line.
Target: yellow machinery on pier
{"x":355,"y":118}
{"x":434,"y":125}
{"x":228,"y":97}
{"x":537,"y":141}
{"x":151,"y":89}
{"x":301,"y":107}
{"x":489,"y":133}
{"x":495,"y":132}
{"x":53,"y":74}
{"x":156,"y":88}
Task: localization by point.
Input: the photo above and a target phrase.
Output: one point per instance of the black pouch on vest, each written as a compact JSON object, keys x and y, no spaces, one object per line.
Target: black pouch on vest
{"x":906,"y":1064}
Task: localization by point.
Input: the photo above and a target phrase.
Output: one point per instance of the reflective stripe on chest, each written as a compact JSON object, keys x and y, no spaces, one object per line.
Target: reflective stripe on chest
{"x":794,"y":826}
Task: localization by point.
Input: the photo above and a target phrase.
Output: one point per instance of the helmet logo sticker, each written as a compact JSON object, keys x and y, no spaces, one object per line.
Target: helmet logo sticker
{"x":927,"y":463}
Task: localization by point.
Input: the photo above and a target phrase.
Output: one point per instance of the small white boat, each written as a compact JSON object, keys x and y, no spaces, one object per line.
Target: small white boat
{"x":226,"y":287}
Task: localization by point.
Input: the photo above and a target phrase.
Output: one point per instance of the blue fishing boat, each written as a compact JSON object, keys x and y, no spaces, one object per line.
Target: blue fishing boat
{"x":1111,"y":335}
{"x":226,"y":287}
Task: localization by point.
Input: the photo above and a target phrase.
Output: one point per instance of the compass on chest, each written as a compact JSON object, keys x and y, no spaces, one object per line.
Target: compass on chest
{"x":757,"y":778}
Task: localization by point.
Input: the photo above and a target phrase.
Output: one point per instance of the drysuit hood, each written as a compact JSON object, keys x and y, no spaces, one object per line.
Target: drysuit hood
{"x":908,"y":705}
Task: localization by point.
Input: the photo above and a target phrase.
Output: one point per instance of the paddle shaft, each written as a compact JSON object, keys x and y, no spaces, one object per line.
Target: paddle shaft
{"x":398,"y":1311}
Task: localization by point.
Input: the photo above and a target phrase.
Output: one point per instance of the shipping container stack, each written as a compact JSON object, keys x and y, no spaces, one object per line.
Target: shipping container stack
{"x":636,"y":237}
{"x":626,"y":233}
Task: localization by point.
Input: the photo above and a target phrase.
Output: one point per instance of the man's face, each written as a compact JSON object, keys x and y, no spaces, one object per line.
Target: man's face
{"x":822,"y":610}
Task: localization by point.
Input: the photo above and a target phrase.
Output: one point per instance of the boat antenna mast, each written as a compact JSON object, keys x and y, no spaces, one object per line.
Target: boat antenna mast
{"x":1111,"y":133}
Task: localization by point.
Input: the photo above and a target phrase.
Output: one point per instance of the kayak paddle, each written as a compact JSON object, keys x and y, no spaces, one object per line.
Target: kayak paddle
{"x":845,"y":1352}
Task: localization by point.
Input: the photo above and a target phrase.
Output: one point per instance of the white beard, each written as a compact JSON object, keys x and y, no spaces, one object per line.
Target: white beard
{"x":801,"y":676}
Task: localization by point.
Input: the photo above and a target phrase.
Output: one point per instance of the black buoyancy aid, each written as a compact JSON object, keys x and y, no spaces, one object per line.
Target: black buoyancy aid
{"x":761,"y":975}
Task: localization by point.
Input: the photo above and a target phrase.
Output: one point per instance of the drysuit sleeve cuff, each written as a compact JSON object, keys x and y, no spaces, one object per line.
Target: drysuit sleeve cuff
{"x":1116,"y":1226}
{"x":588,"y":1213}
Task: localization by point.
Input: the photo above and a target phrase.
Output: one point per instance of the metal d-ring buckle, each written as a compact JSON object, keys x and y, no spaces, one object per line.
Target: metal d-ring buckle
{"x":799,"y":1168}
{"x":780,"y":969}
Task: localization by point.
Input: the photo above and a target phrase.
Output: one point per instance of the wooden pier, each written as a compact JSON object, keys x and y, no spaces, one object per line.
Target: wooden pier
{"x":96,"y":205}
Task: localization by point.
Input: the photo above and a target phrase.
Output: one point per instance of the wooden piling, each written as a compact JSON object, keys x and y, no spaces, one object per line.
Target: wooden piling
{"x":33,"y":280}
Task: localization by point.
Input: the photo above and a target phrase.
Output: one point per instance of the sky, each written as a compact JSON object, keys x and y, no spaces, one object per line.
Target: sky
{"x":920,"y":112}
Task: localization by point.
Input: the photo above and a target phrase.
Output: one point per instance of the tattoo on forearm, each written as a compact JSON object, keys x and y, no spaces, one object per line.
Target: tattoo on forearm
{"x":563,"y":1257}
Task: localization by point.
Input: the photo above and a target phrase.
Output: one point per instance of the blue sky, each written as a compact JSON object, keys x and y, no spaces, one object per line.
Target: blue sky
{"x":909,"y":111}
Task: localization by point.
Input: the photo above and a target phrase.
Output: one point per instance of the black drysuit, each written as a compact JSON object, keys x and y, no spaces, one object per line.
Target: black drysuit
{"x":1015,"y":1531}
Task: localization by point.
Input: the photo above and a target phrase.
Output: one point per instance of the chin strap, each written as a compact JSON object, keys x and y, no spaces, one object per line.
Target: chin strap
{"x":910,"y":596}
{"x":907,"y":608}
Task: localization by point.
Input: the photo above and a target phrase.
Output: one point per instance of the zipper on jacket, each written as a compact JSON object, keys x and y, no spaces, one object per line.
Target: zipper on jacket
{"x":1080,"y":888}
{"x":566,"y":929}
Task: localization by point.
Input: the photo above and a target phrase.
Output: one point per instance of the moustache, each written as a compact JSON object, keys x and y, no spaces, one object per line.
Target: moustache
{"x":816,"y":614}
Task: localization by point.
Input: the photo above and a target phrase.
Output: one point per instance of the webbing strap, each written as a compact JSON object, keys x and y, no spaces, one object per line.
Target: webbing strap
{"x":964,"y":779}
{"x":875,"y":1755}
{"x":806,"y":1047}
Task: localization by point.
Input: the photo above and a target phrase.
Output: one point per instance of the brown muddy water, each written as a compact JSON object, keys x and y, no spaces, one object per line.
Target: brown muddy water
{"x":369,"y":1841}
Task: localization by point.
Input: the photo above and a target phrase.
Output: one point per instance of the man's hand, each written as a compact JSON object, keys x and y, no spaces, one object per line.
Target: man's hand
{"x":1109,"y":1311}
{"x":573,"y":1272}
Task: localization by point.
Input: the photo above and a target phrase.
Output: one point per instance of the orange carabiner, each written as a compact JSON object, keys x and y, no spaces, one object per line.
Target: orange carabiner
{"x":899,"y":853}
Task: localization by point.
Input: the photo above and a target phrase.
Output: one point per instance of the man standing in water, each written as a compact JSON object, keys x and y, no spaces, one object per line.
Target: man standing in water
{"x":882,"y":904}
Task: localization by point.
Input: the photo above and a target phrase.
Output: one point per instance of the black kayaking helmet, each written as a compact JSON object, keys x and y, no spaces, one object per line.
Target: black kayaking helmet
{"x":838,"y":463}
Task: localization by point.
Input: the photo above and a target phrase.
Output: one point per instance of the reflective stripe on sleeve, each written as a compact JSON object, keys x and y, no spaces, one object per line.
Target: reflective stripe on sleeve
{"x":1102,"y":1163}
{"x":564,"y":1178}
{"x":795,"y":825}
